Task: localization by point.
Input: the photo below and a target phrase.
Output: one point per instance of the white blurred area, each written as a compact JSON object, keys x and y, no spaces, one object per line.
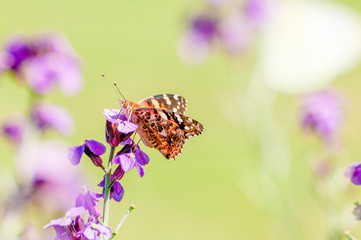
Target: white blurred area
{"x":307,"y":44}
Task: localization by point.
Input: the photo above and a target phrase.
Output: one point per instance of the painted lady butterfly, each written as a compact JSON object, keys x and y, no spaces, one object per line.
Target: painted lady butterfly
{"x":161,"y":122}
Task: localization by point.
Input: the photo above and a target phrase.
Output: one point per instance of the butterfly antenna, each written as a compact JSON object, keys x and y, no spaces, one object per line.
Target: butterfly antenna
{"x":114,"y":86}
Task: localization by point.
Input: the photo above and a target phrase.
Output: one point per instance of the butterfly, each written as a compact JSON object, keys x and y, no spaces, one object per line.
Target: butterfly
{"x":161,"y":122}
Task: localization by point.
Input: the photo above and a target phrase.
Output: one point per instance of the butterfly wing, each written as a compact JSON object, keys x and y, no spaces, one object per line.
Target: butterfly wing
{"x":165,"y":130}
{"x":172,"y":102}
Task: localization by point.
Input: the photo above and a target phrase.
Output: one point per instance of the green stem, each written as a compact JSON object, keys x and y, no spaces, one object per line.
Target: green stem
{"x":349,"y":237}
{"x":107,"y":187}
{"x":132,"y":206}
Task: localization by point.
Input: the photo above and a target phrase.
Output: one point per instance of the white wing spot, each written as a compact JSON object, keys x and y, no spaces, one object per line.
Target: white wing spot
{"x":179,"y":119}
{"x":175,"y":97}
{"x":167,"y":99}
{"x":186,"y":128}
{"x":174,"y":109}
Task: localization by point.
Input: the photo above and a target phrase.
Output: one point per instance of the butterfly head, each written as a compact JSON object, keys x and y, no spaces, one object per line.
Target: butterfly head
{"x":127,"y":107}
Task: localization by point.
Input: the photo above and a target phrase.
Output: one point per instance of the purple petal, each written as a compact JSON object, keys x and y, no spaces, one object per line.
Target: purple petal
{"x":129,"y":141}
{"x":140,"y":169}
{"x":13,"y":129}
{"x":350,"y":169}
{"x":69,"y":76}
{"x":40,"y":74}
{"x":75,"y":153}
{"x":74,"y":212}
{"x":114,"y":115}
{"x":118,"y":173}
{"x":322,"y":112}
{"x":104,"y":230}
{"x":356,"y":176}
{"x":141,"y":157}
{"x":50,"y":115}
{"x":96,"y":147}
{"x":102,"y":183}
{"x":90,"y":233}
{"x":118,"y":192}
{"x":116,"y":159}
{"x":126,"y":162}
{"x":88,"y":200}
{"x":127,"y":127}
{"x":17,"y":51}
{"x":64,"y":221}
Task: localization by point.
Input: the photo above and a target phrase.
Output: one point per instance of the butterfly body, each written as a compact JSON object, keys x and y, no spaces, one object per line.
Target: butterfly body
{"x":161,"y":122}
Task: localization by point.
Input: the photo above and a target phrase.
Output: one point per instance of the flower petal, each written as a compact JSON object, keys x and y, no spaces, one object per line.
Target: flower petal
{"x":105,"y":230}
{"x":141,"y":157}
{"x":118,"y":192}
{"x":127,"y":127}
{"x":75,"y":211}
{"x":350,"y":169}
{"x":96,"y":147}
{"x":140,"y":169}
{"x":126,"y":162}
{"x":64,"y":221}
{"x":75,"y":153}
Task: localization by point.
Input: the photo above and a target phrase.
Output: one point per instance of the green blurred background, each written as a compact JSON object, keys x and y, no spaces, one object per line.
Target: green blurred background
{"x":217,"y":188}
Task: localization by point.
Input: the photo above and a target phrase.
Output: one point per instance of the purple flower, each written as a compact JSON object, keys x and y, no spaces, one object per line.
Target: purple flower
{"x":87,"y":199}
{"x":204,"y":28}
{"x":118,"y":129}
{"x":256,"y":11}
{"x":13,"y":130}
{"x":131,"y":157}
{"x":353,"y":172}
{"x":66,"y":227}
{"x":322,"y":113}
{"x":48,"y":115}
{"x":235,"y":33}
{"x":43,"y":62}
{"x":17,"y":51}
{"x":67,"y":220}
{"x":91,"y":148}
{"x":93,"y":231}
{"x":116,"y":190}
{"x":198,"y":38}
{"x":43,"y":172}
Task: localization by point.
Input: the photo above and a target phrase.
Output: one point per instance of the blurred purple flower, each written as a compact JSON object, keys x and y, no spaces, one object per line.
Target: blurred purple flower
{"x":118,"y":129}
{"x":13,"y":130}
{"x":54,"y":182}
{"x":116,"y":190}
{"x":353,"y":171}
{"x":91,"y":148}
{"x":257,"y":11}
{"x":17,"y":50}
{"x":198,"y":38}
{"x":87,"y":199}
{"x":322,"y":112}
{"x":48,"y":115}
{"x":43,"y":62}
{"x":235,"y":34}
